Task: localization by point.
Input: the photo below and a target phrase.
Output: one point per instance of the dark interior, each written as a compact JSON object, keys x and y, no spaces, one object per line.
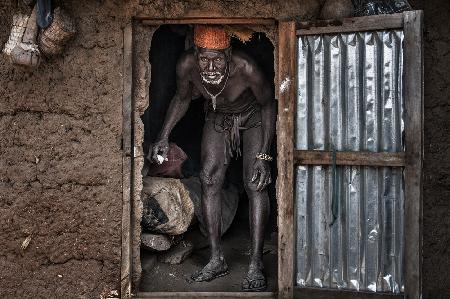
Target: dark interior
{"x":167,"y":44}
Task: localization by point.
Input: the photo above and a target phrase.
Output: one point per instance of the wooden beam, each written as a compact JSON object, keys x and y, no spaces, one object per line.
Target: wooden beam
{"x":414,"y":82}
{"x":316,"y":293}
{"x":212,"y":295}
{"x":285,"y":181}
{"x":221,"y":21}
{"x":396,"y":159}
{"x":125,"y":269}
{"x":377,"y":22}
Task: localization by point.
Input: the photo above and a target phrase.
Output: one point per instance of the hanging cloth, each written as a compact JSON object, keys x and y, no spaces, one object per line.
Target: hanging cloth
{"x":376,"y":7}
{"x":44,"y":13}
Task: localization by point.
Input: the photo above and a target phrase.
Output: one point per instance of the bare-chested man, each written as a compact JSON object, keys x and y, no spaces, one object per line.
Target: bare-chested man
{"x":240,"y":102}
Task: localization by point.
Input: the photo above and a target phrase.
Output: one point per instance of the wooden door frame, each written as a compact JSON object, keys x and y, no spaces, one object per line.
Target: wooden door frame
{"x":412,"y":160}
{"x":128,"y":148}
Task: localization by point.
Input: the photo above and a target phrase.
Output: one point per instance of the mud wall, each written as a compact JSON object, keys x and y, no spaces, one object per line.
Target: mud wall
{"x":61,"y":158}
{"x":60,"y":165}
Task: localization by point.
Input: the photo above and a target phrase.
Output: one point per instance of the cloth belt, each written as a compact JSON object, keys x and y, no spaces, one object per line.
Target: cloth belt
{"x":230,"y":124}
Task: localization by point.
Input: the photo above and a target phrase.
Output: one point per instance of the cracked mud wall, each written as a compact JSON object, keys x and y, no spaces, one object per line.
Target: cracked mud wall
{"x":61,"y":159}
{"x":60,"y":166}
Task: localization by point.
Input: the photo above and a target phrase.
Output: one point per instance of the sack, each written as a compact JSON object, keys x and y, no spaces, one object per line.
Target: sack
{"x":167,"y":206}
{"x":21,"y":47}
{"x":170,"y":168}
{"x":17,"y":31}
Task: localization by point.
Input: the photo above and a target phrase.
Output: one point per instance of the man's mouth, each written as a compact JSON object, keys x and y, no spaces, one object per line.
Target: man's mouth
{"x":212,"y":77}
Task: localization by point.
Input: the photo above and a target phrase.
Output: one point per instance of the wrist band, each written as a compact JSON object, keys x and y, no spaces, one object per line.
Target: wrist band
{"x":264,"y":157}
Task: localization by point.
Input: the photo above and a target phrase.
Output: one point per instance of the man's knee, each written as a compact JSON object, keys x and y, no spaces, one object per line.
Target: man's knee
{"x":209,"y":177}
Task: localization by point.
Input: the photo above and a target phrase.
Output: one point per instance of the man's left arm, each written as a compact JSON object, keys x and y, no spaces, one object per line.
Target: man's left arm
{"x":263,"y":92}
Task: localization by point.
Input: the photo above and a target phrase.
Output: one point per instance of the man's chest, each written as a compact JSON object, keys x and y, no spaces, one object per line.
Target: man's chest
{"x":229,"y":92}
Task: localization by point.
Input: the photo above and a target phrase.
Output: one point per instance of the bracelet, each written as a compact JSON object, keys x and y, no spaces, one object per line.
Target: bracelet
{"x":264,"y":157}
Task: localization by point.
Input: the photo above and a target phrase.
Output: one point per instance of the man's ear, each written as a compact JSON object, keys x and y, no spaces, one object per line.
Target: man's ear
{"x":228,"y":53}
{"x":195,"y":51}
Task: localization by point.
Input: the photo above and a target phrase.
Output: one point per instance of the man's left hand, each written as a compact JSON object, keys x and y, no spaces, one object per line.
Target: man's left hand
{"x":261,"y":174}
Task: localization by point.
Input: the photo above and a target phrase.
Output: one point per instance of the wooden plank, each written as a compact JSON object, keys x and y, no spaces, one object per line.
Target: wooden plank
{"x":125,"y":270}
{"x":195,"y":295}
{"x":377,"y":22}
{"x":221,"y":21}
{"x":315,"y":293}
{"x":414,"y":82}
{"x":396,"y":159}
{"x":285,"y":142}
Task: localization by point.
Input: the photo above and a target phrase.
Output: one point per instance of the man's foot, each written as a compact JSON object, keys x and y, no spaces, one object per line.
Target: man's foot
{"x":215,"y":268}
{"x":255,"y":280}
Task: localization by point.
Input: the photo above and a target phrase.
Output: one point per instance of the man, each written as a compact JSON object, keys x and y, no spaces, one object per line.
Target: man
{"x":240,"y":102}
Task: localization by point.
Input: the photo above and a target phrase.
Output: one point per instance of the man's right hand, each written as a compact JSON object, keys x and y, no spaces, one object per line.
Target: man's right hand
{"x":160,"y":150}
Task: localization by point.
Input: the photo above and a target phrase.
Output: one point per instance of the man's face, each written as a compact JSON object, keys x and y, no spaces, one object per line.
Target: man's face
{"x":213,"y":65}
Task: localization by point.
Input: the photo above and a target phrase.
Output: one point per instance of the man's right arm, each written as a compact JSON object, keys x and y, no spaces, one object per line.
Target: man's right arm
{"x":178,"y":106}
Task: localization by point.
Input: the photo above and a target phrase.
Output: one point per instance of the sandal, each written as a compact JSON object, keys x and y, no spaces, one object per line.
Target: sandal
{"x":255,"y":281}
{"x":207,"y":274}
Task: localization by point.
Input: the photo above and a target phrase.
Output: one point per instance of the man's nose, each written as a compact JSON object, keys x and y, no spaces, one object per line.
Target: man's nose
{"x":210,"y":66}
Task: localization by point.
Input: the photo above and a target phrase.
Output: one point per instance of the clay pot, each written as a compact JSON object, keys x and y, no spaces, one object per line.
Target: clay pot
{"x":337,"y":9}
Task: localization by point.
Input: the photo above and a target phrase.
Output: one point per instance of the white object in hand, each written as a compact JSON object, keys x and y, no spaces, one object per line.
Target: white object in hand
{"x":160,"y":159}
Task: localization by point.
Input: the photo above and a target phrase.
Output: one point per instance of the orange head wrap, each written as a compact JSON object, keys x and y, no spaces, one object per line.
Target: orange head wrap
{"x":211,"y":37}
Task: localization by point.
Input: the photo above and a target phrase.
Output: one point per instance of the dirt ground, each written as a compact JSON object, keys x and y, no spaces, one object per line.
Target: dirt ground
{"x":161,"y":277}
{"x":60,"y":149}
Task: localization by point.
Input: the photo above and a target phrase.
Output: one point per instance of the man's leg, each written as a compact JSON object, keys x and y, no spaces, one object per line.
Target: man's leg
{"x":258,"y":212}
{"x":212,"y":176}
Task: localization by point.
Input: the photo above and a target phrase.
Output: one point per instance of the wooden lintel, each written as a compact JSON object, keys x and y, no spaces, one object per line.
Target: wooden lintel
{"x":212,"y":295}
{"x":394,"y":159}
{"x":377,"y":22}
{"x":229,"y":21}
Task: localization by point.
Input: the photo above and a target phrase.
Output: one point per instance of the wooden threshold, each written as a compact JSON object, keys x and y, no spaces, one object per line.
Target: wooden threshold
{"x":369,"y":23}
{"x":388,"y":159}
{"x":316,"y":293}
{"x":212,"y":295}
{"x":221,"y":21}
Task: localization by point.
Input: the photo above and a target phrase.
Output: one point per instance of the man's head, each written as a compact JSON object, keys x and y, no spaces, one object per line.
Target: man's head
{"x":213,"y":52}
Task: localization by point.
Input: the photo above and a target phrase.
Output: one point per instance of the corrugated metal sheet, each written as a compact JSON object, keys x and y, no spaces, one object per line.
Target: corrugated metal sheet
{"x":350,"y":98}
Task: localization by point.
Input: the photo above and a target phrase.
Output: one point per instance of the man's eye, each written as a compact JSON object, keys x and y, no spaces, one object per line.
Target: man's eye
{"x":203,"y":59}
{"x":218,"y":59}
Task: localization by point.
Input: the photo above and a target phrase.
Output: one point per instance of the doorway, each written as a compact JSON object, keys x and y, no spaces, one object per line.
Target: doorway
{"x":168,"y":42}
